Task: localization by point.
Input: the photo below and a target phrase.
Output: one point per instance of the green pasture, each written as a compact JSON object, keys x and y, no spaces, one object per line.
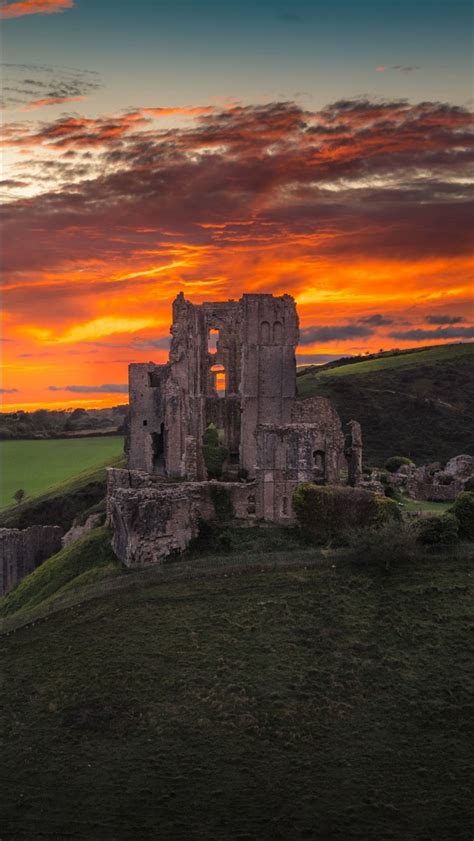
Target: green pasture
{"x":38,"y":466}
{"x":428,"y":356}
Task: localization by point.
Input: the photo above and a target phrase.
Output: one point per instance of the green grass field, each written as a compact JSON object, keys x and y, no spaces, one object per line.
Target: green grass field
{"x":316,"y":702}
{"x":432,"y":356}
{"x":38,"y":466}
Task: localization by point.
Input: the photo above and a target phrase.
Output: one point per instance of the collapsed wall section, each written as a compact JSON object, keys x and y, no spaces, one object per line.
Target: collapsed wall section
{"x":152,"y":520}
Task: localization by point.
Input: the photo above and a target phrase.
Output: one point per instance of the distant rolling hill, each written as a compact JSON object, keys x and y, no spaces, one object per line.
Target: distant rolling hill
{"x":418,"y":403}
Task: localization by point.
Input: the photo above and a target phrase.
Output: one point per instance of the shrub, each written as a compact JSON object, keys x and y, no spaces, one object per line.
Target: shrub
{"x":214,"y":454}
{"x":445,"y":478}
{"x":386,"y":511}
{"x":438,"y":531}
{"x":222,"y":503}
{"x":469,"y":485}
{"x":392,"y":464}
{"x":211,"y":436}
{"x":463,"y":510}
{"x":393,"y":493}
{"x":324,"y":512}
{"x":383,"y":547}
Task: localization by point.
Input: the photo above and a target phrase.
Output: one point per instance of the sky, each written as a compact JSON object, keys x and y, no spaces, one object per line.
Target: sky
{"x":321,"y":149}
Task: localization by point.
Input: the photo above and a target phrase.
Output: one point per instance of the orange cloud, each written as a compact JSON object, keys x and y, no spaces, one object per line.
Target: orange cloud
{"x":360,"y":210}
{"x":52,"y":100}
{"x":34,"y":7}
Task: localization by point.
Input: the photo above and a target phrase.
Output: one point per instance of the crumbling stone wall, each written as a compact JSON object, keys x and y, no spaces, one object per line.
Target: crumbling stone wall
{"x":425,"y":482}
{"x":152,"y":520}
{"x":21,"y":551}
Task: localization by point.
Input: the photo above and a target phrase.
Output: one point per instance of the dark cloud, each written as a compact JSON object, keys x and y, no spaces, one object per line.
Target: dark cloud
{"x":144,"y":344}
{"x":8,"y":390}
{"x":341,"y":332}
{"x":52,"y":85}
{"x":444,"y":319}
{"x":110,"y":388}
{"x":350,"y":171}
{"x":406,"y":68}
{"x":376,"y":320}
{"x":439,"y":333}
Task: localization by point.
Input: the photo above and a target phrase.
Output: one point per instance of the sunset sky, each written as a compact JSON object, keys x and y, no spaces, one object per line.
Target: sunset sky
{"x":318,"y":148}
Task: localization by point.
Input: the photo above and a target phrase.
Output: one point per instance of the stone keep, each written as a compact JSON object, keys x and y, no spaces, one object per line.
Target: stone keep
{"x":231,"y":364}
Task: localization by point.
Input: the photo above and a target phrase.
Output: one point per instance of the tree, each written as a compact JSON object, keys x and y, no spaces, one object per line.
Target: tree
{"x":19,"y":495}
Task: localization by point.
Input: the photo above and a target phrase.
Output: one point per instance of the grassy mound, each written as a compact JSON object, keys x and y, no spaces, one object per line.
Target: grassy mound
{"x":312,"y":703}
{"x":63,"y":503}
{"x":40,"y":466}
{"x":418,"y":404}
{"x":84,"y":562}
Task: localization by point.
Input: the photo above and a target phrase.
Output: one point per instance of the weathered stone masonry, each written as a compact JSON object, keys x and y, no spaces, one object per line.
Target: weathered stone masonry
{"x":245,"y":384}
{"x":21,"y":551}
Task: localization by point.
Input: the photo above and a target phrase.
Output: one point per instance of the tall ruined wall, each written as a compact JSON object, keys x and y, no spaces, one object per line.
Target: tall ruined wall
{"x":147,"y":384}
{"x":269,"y":336}
{"x":21,"y":551}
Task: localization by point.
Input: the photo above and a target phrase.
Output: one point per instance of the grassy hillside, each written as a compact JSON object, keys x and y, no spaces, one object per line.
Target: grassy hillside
{"x":321,"y":702}
{"x":38,"y":466}
{"x":64,"y":502}
{"x":84,"y":562}
{"x":419,"y":404}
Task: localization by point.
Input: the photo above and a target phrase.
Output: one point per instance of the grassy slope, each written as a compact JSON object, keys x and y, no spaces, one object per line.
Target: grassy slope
{"x":314,"y":703}
{"x":419,"y":404}
{"x":38,"y":466}
{"x":62,"y":503}
{"x":83,"y":562}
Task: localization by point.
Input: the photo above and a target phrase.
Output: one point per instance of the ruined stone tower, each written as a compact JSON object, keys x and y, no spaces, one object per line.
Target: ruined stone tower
{"x":248,"y":378}
{"x":231,"y":364}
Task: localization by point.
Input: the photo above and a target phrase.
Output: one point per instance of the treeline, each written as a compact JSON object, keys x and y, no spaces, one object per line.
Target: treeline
{"x":64,"y":423}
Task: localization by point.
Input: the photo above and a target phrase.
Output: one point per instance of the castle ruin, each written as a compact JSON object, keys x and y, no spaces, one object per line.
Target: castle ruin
{"x":231,"y":364}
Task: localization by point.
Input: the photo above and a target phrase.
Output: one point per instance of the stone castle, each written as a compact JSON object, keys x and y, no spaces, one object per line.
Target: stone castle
{"x":231,"y":364}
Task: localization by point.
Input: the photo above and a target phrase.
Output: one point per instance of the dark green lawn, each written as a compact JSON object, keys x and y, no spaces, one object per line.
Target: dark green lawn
{"x":318,"y":703}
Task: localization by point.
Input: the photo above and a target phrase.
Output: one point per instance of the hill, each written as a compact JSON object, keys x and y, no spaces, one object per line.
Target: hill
{"x":419,"y":404}
{"x":63,"y":502}
{"x":62,"y":423}
{"x":317,"y":700}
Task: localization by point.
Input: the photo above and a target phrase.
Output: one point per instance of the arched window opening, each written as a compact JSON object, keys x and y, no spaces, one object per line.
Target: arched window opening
{"x":218,"y":374}
{"x":319,"y":461}
{"x":277,"y":333}
{"x":265,"y":332}
{"x":284,"y":506}
{"x":251,"y":504}
{"x":212,"y":340}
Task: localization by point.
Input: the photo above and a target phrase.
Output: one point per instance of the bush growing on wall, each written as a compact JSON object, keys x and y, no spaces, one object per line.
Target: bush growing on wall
{"x":222,"y":503}
{"x":463,"y":510}
{"x":214,"y":454}
{"x":325,"y":512}
{"x":392,"y":464}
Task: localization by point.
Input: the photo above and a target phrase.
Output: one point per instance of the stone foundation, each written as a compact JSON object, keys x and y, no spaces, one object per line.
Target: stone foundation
{"x":153,"y":520}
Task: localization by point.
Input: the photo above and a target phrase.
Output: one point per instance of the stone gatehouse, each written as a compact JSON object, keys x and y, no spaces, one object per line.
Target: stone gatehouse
{"x":231,"y":364}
